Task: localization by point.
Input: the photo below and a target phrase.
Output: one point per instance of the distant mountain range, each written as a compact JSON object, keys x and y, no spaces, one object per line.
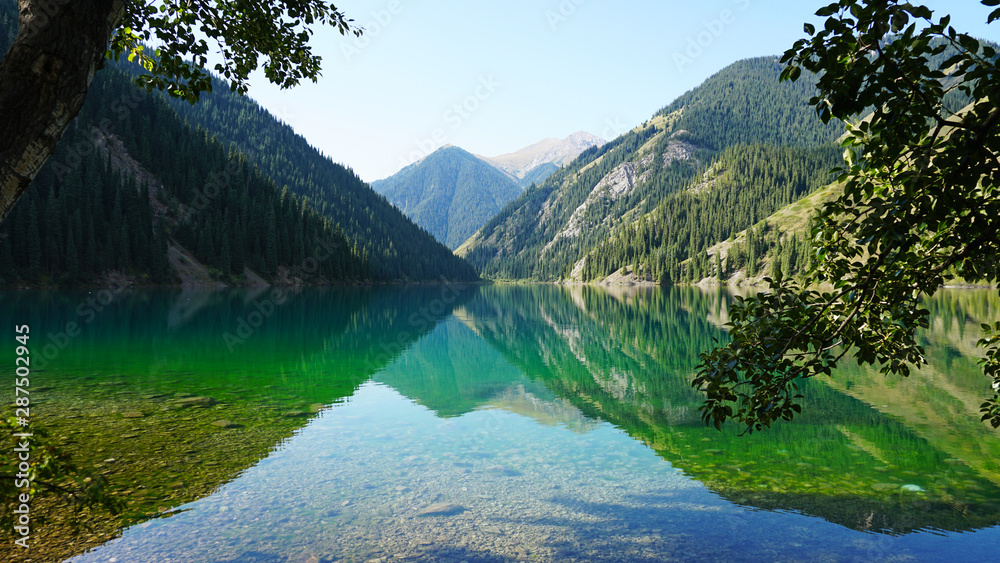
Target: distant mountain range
{"x":547,"y":154}
{"x":718,"y":186}
{"x":648,"y":205}
{"x":452,"y":192}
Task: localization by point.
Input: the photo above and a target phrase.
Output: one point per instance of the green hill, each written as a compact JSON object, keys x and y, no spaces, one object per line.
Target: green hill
{"x":745,"y":184}
{"x":741,"y":129}
{"x":451,"y":193}
{"x":397,"y":248}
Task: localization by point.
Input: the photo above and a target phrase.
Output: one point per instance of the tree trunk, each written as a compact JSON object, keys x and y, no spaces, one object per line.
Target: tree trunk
{"x":44,"y":78}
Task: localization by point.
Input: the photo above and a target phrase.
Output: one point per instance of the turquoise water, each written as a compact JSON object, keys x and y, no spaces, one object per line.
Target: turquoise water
{"x":526,"y":423}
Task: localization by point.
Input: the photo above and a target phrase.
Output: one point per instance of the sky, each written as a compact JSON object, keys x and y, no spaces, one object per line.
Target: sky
{"x":493,"y":77}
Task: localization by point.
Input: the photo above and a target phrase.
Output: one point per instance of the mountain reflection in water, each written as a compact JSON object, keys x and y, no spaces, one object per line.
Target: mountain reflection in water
{"x":501,"y":422}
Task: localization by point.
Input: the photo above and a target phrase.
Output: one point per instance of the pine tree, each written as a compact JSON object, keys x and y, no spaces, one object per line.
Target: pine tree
{"x":224,"y":254}
{"x":124,"y":254}
{"x":236,"y":251}
{"x":271,"y":245}
{"x":72,"y":258}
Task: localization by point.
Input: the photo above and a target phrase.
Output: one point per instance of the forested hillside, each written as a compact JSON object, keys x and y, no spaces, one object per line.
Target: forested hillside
{"x":397,"y":248}
{"x":113,"y":199}
{"x":773,"y":239}
{"x":746,"y":103}
{"x":744,"y":185}
{"x":451,"y":193}
{"x":135,"y":193}
{"x":705,"y":161}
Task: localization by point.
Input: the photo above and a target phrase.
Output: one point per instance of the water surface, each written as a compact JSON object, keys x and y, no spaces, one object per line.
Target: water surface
{"x":501,"y":423}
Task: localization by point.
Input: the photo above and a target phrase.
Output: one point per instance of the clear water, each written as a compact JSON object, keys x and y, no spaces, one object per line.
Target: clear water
{"x":510,"y":423}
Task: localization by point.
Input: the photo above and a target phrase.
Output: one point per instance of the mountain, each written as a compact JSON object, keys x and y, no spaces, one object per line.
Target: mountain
{"x":534,"y":163}
{"x":451,"y":193}
{"x":538,"y":174}
{"x":648,"y":204}
{"x":148,"y":189}
{"x":398,"y":248}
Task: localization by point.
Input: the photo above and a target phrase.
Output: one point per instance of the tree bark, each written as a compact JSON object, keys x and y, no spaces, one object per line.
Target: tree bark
{"x":44,"y":78}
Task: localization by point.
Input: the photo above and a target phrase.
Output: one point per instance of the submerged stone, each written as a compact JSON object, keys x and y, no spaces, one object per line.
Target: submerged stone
{"x":226,"y":424}
{"x":503,"y":470}
{"x":441,"y":509}
{"x":195,"y":402}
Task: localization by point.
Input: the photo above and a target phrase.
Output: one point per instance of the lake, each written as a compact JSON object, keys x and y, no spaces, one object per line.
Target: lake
{"x":490,"y":423}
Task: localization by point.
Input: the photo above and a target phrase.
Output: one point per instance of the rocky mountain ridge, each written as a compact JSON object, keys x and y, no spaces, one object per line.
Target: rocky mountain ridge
{"x":520,"y":163}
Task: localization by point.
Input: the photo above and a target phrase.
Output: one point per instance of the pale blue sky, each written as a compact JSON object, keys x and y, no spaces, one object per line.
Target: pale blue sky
{"x":492,"y":77}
